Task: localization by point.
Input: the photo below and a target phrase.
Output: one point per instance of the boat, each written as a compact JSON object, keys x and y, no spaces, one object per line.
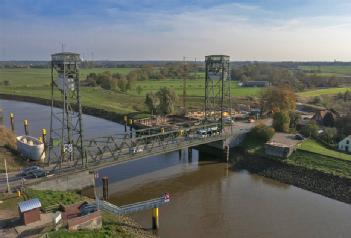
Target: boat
{"x":30,"y":147}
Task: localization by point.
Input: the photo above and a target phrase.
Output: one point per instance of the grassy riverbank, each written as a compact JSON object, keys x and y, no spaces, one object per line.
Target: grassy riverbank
{"x":309,"y":155}
{"x":8,"y":151}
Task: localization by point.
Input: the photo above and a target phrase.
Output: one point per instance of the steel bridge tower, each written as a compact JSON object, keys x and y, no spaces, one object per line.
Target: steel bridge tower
{"x":66,"y":129}
{"x":217,"y":88}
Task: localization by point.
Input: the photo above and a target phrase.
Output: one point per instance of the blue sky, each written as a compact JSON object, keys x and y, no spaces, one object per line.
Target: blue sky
{"x":171,"y":29}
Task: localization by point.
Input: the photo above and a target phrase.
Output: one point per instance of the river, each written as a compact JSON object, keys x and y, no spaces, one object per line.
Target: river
{"x":208,"y":199}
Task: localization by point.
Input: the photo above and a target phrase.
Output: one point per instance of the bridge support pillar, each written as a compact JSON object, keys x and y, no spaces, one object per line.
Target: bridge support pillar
{"x":155,"y":219}
{"x":105,"y":188}
{"x":190,"y":154}
{"x":180,"y":154}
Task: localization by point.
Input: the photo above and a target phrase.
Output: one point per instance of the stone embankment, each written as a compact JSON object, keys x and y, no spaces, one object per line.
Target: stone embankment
{"x":335,"y":187}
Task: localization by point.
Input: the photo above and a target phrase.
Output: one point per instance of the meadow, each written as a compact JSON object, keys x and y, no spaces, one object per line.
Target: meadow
{"x":324,"y":91}
{"x":36,"y":83}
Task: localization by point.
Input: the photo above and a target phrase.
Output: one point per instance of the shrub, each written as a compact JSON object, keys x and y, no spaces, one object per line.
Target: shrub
{"x":310,"y":130}
{"x":262,"y":132}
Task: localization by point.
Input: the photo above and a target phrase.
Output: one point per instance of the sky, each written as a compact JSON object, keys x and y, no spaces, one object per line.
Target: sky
{"x":264,"y":30}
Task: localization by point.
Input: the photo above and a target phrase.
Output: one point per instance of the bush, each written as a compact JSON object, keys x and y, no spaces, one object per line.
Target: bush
{"x":281,"y":121}
{"x":262,"y":132}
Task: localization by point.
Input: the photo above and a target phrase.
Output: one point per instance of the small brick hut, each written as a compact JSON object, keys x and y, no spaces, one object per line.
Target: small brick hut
{"x":29,"y":210}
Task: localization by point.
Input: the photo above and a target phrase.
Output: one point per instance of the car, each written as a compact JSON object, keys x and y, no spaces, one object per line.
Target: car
{"x":136,"y":149}
{"x":87,"y":208}
{"x":27,"y":170}
{"x":299,"y":137}
{"x":36,"y":173}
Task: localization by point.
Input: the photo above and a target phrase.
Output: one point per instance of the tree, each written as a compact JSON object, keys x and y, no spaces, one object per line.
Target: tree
{"x":281,"y":121}
{"x":295,"y":117}
{"x":275,"y":99}
{"x":122,"y":84}
{"x":152,"y":102}
{"x":343,"y":124}
{"x":329,"y":135}
{"x":167,"y":99}
{"x":310,"y":130}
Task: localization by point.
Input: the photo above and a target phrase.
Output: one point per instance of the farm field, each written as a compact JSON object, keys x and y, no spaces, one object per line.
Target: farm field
{"x":325,"y":91}
{"x":337,"y":70}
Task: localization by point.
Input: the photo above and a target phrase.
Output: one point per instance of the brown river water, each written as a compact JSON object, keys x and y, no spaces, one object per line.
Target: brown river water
{"x":208,"y":199}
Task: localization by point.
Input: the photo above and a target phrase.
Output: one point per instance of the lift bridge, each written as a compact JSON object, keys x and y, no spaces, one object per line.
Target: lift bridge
{"x":69,"y":149}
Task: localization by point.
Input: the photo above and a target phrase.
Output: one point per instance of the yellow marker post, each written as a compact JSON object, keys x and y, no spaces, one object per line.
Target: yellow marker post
{"x":43,"y":135}
{"x":40,"y":139}
{"x":162,"y":130}
{"x":12,"y":120}
{"x":25,"y":123}
{"x":155,"y":219}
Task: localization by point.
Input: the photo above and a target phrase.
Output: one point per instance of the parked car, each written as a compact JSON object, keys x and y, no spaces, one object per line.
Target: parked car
{"x":87,"y":208}
{"x":299,"y":137}
{"x":27,"y":170}
{"x":36,"y":173}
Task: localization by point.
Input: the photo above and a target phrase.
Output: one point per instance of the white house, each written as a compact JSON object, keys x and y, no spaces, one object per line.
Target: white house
{"x":345,"y":144}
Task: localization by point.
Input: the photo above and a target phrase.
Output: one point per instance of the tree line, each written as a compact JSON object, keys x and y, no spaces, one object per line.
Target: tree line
{"x":294,"y":79}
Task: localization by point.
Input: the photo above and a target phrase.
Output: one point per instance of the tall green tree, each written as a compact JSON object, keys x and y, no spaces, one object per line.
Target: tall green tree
{"x":281,"y":121}
{"x":152,"y":102}
{"x":167,"y":98}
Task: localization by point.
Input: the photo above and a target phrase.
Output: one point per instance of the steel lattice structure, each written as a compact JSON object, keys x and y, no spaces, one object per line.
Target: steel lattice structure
{"x":217,"y":88}
{"x":66,"y":129}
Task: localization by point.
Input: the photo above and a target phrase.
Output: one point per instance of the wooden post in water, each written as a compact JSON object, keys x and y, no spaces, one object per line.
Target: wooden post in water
{"x":155,"y":219}
{"x":12,"y":120}
{"x":226,"y":153}
{"x":105,"y":188}
{"x":125,"y":123}
{"x":25,"y":123}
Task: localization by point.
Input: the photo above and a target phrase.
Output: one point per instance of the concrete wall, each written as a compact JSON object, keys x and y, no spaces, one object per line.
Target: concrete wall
{"x":232,"y":141}
{"x":72,"y":181}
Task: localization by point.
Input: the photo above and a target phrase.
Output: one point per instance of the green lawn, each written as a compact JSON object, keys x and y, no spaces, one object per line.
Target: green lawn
{"x":314,"y":147}
{"x":339,"y":70}
{"x":326,"y":91}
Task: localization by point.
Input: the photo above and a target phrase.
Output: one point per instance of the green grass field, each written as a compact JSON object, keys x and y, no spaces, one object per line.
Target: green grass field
{"x":35,"y":83}
{"x":326,"y":91}
{"x":314,"y":147}
{"x":329,"y":69}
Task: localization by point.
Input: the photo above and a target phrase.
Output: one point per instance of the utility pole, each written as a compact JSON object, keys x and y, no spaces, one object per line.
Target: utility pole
{"x":184,"y":81}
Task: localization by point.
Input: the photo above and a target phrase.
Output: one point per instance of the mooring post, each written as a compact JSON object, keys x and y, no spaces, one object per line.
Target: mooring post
{"x":25,"y":123}
{"x":43,"y":135}
{"x":12,"y":120}
{"x":155,"y":220}
{"x":226,"y":153}
{"x":190,"y":154}
{"x":131,"y":128}
{"x":125,"y":123}
{"x":105,"y":188}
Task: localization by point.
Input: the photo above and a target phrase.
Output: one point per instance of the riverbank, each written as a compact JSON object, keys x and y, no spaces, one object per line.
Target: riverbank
{"x":332,"y":186}
{"x":112,"y":226}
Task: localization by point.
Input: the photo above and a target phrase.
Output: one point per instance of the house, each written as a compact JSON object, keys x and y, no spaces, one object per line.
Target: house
{"x":260,"y":84}
{"x":345,"y":144}
{"x":29,"y":210}
{"x":326,"y":117}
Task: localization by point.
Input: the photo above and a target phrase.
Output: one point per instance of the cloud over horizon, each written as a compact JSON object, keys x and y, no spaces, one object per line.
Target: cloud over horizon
{"x":148,"y":30}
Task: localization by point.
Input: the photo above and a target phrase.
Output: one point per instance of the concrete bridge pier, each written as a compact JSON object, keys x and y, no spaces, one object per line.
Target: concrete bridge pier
{"x":190,"y":154}
{"x":180,"y":154}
